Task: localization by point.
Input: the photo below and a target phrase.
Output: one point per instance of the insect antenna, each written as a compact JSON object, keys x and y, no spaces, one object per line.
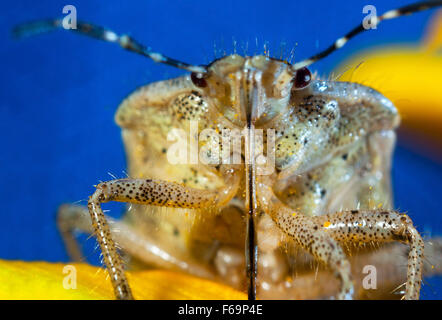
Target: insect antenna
{"x":392,"y":14}
{"x":97,"y":32}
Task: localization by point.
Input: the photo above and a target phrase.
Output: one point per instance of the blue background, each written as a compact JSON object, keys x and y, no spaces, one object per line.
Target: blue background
{"x":59,"y":93}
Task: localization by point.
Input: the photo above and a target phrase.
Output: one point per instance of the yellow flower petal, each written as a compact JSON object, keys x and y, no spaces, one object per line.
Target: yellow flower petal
{"x":42,"y":280}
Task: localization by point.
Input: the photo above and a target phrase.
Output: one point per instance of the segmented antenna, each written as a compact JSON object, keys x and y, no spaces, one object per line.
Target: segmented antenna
{"x":97,"y":32}
{"x":412,"y":8}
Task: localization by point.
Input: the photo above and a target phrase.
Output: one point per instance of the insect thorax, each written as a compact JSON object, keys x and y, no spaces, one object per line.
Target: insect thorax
{"x":332,"y":141}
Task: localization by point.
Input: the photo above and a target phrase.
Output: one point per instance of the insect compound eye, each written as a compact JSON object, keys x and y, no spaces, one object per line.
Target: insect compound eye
{"x":198,"y":79}
{"x":302,"y":78}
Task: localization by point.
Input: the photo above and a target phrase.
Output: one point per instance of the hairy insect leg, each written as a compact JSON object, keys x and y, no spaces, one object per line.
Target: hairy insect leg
{"x":76,"y":218}
{"x":309,"y":236}
{"x":149,"y":192}
{"x":359,"y":226}
{"x":389,"y":261}
{"x":71,"y":218}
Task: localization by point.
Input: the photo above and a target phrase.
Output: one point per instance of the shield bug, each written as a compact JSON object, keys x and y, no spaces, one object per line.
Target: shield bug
{"x":259,"y":156}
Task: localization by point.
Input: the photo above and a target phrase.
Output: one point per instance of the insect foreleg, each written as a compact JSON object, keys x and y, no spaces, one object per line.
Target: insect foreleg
{"x":379,"y":226}
{"x":309,"y":236}
{"x":149,"y":192}
{"x":76,"y":218}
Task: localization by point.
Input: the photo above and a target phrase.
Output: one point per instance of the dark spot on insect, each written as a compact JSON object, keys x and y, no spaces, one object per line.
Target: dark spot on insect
{"x":305,"y":141}
{"x":198,"y":79}
{"x":354,"y":211}
{"x":345,"y":156}
{"x":163,"y":150}
{"x":323,"y":192}
{"x":176,"y":232}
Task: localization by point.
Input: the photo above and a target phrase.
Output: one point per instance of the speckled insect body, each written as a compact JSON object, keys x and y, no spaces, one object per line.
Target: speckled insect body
{"x":329,"y":193}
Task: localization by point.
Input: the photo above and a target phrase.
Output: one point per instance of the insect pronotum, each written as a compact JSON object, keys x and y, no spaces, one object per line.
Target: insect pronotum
{"x":323,"y":131}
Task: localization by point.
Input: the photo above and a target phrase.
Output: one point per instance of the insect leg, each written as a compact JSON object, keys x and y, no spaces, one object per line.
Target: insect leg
{"x":149,"y":192}
{"x":74,"y":217}
{"x":359,"y":226}
{"x":309,"y":236}
{"x":389,"y":261}
{"x":70,"y":218}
